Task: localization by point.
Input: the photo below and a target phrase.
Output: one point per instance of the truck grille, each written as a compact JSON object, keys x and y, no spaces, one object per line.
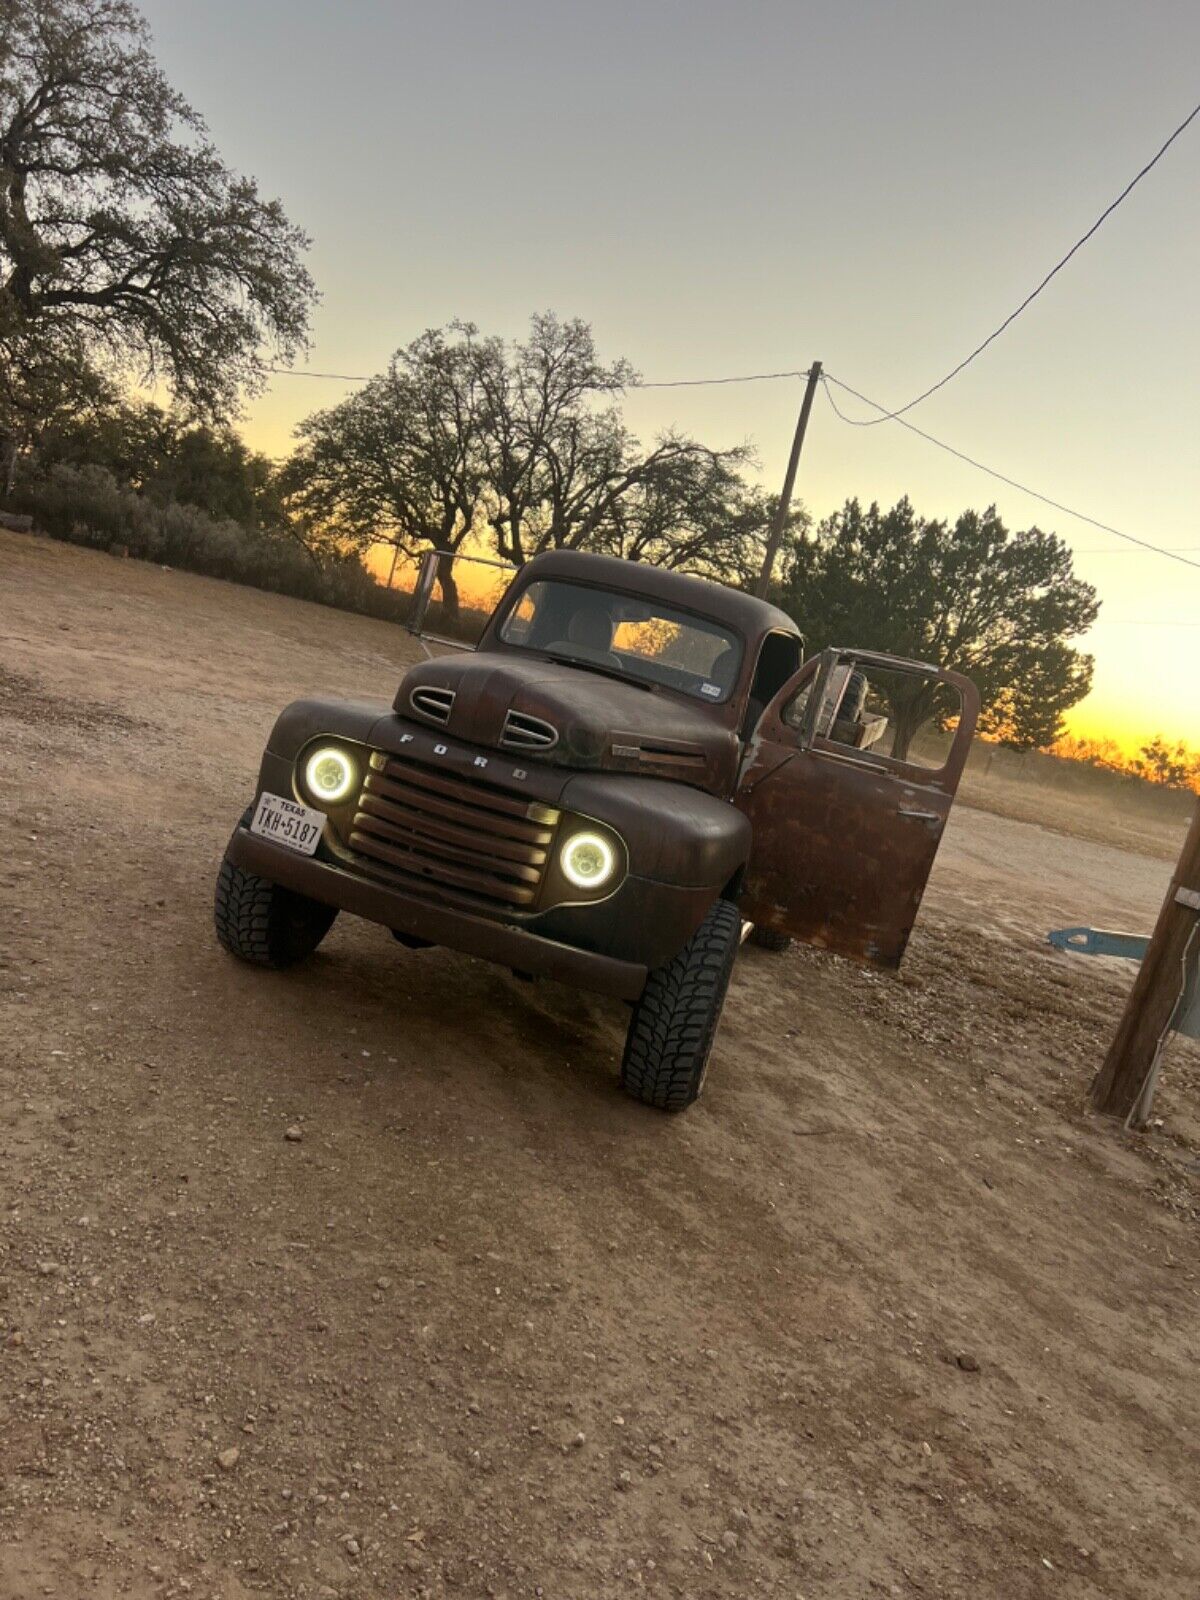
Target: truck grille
{"x":467,"y":838}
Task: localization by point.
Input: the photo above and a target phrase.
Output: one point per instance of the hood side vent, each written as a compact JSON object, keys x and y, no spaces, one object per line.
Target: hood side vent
{"x":523,"y":732}
{"x":435,"y":704}
{"x":671,"y":755}
{"x":658,"y":752}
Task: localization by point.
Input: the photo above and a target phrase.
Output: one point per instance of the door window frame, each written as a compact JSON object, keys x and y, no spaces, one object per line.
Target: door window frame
{"x":807,"y":737}
{"x":748,"y":728}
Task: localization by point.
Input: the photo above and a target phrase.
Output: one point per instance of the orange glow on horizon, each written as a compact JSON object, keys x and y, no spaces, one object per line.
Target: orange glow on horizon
{"x":1115,"y":712}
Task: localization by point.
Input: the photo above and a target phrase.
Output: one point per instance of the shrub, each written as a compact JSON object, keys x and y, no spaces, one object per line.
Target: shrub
{"x":87,"y":506}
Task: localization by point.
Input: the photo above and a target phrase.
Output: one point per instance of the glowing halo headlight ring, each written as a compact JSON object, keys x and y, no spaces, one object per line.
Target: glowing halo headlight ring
{"x":329,"y":775}
{"x":587,"y":860}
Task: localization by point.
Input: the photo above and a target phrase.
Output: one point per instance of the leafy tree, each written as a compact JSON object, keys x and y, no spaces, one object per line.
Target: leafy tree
{"x":1172,"y":766}
{"x":1026,"y":713}
{"x":466,"y":438}
{"x":968,"y":595}
{"x":167,"y":457}
{"x":125,"y":241}
{"x":43,"y":385}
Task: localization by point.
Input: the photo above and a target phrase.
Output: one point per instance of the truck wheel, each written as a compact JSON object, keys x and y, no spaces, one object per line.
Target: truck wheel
{"x":673,"y":1024}
{"x":769,"y":939}
{"x":261,"y":922}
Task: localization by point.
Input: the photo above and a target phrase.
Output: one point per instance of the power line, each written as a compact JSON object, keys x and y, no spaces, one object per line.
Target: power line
{"x":1160,"y":550}
{"x":873,"y":422}
{"x":1174,"y":554}
{"x":340,"y":377}
{"x":700,"y":383}
{"x":672,"y":383}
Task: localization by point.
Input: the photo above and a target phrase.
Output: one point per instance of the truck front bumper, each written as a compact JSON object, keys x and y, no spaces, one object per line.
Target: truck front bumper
{"x":440,"y":924}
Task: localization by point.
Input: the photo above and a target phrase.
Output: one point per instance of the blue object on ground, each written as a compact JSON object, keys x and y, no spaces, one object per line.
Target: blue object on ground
{"x":1100,"y":942}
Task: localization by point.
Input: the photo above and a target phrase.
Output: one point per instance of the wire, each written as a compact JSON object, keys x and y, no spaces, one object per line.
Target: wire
{"x":1160,"y":550}
{"x":886,"y":416}
{"x":673,"y":383}
{"x":873,"y":422}
{"x":700,"y":383}
{"x":341,"y":377}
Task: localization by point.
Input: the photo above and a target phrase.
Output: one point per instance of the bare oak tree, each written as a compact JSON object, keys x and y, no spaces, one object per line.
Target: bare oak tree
{"x":564,"y":470}
{"x":521,"y":448}
{"x":695,"y":511}
{"x":403,"y":458}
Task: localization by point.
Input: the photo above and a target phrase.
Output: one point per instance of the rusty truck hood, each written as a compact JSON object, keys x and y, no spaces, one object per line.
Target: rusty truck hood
{"x":569,"y":717}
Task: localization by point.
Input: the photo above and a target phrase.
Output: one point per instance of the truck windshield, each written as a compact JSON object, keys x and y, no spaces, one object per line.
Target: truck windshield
{"x":626,"y":634}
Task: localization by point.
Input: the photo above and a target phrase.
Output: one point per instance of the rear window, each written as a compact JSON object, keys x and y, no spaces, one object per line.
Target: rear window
{"x":627,"y":635}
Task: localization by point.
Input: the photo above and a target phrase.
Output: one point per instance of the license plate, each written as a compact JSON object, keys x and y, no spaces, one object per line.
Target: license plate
{"x":298,"y":827}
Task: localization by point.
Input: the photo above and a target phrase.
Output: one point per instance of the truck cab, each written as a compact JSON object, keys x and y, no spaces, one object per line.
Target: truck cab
{"x":630,"y":771}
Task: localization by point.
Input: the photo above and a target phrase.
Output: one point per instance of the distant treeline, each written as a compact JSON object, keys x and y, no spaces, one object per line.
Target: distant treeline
{"x":1157,"y":762}
{"x":467,"y":443}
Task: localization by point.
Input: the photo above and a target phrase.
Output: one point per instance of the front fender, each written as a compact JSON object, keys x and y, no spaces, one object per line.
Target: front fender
{"x":674,"y":834}
{"x":307,"y":719}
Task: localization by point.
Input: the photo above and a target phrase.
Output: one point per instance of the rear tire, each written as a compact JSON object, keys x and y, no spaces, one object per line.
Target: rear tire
{"x":769,"y":938}
{"x":675,"y":1021}
{"x":262,"y":922}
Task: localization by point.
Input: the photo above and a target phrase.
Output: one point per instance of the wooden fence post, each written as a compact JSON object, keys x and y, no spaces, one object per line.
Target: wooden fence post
{"x":1123,"y":1083}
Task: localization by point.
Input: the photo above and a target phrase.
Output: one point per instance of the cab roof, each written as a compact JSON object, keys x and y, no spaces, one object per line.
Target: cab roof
{"x":750,"y":616}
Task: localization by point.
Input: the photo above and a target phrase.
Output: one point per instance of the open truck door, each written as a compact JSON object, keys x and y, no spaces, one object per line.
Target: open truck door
{"x":848,"y":780}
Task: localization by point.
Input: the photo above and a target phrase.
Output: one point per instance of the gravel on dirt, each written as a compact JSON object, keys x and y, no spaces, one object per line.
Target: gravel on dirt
{"x":886,"y":1314}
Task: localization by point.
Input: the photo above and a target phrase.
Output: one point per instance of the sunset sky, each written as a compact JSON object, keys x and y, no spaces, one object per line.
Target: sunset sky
{"x":732,"y":188}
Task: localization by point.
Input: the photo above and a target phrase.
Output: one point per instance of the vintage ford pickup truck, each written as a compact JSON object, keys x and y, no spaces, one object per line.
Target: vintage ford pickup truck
{"x":631,"y":771}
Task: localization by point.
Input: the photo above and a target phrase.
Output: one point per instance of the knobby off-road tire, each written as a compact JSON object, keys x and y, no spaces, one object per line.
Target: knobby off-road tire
{"x":673,"y":1024}
{"x":261,"y":922}
{"x":769,"y":939}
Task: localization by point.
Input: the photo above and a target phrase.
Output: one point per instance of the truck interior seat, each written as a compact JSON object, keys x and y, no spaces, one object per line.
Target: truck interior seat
{"x":723,"y":671}
{"x":590,"y":636}
{"x":854,"y":724}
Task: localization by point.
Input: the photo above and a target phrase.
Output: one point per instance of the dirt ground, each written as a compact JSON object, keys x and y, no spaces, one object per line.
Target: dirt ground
{"x":1145,"y":829}
{"x":887,"y":1314}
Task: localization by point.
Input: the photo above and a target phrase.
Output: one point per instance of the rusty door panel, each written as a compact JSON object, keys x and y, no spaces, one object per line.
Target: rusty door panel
{"x":843,"y":840}
{"x":834,"y":862}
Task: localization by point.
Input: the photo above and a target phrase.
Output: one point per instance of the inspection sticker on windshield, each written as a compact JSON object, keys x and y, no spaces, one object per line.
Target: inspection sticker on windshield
{"x":298,"y":827}
{"x":713,"y":689}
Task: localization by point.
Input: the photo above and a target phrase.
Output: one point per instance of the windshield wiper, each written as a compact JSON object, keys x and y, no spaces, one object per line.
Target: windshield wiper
{"x":596,"y":666}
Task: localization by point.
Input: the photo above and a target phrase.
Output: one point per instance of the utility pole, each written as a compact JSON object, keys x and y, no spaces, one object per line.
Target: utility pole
{"x":789,"y":483}
{"x":1125,"y":1083}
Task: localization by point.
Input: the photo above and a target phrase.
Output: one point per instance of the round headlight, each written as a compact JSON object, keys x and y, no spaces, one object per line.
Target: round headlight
{"x":328,"y":775}
{"x":587,"y":860}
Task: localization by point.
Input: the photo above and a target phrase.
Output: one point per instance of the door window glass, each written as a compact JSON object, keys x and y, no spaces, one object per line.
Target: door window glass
{"x":906,"y":716}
